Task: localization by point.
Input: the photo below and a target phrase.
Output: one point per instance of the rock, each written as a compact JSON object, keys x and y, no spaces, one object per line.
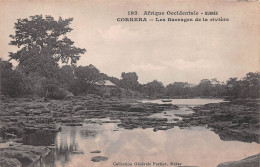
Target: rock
{"x":69,"y":95}
{"x":19,"y":110}
{"x":43,"y":99}
{"x":194,"y":123}
{"x":10,"y":136}
{"x":252,"y":161}
{"x":175,"y":106}
{"x":165,"y":105}
{"x":77,"y":108}
{"x":84,"y":112}
{"x":96,"y":151}
{"x":74,"y":124}
{"x":230,"y":121}
{"x":22,"y":155}
{"x":163,"y":128}
{"x":77,"y":152}
{"x":155,"y":129}
{"x":120,"y":107}
{"x":136,"y":109}
{"x":9,"y":162}
{"x":52,"y":147}
{"x":99,"y":158}
{"x":152,"y":119}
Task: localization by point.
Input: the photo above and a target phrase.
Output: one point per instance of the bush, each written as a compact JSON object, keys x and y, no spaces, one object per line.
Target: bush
{"x":11,"y":80}
{"x":55,"y":92}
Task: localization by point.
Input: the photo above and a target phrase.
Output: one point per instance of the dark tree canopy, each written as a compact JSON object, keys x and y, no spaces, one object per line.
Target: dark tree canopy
{"x":129,"y":80}
{"x":42,"y":44}
{"x":154,"y":88}
{"x":88,"y":74}
{"x":248,"y":87}
{"x":11,"y":83}
{"x":178,"y":89}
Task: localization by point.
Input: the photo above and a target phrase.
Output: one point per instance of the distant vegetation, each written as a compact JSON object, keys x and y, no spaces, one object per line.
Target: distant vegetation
{"x":43,"y":45}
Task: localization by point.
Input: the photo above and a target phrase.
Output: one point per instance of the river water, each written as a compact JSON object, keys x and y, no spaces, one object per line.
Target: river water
{"x":194,"y":146}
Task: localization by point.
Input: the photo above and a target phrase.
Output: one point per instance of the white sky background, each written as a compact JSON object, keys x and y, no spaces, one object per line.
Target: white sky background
{"x":168,"y":52}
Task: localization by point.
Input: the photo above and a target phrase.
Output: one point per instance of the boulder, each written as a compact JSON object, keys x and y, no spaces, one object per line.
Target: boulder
{"x":99,"y":158}
{"x":9,"y":162}
{"x":77,"y":108}
{"x":77,"y":152}
{"x":96,"y":151}
{"x":136,"y":109}
{"x":252,"y":161}
{"x":24,"y":152}
{"x":22,"y":155}
{"x":19,"y":110}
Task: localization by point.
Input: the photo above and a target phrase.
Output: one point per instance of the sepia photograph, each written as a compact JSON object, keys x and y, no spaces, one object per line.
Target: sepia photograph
{"x":129,"y":83}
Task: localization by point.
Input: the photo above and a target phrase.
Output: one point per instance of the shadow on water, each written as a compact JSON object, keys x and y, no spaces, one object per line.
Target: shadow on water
{"x":39,"y":138}
{"x":63,"y":147}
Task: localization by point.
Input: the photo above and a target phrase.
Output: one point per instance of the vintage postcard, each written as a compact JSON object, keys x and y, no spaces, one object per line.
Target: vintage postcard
{"x":129,"y":83}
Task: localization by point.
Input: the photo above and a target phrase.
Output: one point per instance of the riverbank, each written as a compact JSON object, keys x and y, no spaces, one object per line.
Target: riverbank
{"x":235,"y":120}
{"x":18,"y":155}
{"x":252,"y":161}
{"x":36,"y":122}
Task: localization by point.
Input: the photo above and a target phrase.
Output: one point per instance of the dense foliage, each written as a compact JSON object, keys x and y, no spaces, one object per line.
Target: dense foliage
{"x":11,"y":80}
{"x":249,"y":86}
{"x":42,"y":44}
{"x":129,"y":80}
{"x":83,"y":79}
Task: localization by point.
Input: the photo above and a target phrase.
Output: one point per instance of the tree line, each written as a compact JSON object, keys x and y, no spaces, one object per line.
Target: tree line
{"x":47,"y":68}
{"x":247,"y":87}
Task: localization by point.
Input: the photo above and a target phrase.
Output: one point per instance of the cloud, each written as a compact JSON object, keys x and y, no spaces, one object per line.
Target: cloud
{"x":146,"y":67}
{"x":181,"y":64}
{"x":118,"y":33}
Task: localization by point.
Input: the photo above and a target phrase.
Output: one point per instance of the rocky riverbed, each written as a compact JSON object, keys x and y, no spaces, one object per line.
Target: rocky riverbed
{"x":28,"y":122}
{"x":36,"y":122}
{"x":236,"y":120}
{"x":17,"y":155}
{"x":252,"y":161}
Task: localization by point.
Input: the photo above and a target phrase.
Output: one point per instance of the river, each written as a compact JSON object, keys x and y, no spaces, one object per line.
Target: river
{"x":194,"y":146}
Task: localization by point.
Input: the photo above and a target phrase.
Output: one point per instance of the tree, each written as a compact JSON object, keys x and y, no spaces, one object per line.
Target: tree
{"x":88,"y":74}
{"x":178,"y":89}
{"x":217,"y":88}
{"x":11,"y":83}
{"x":84,"y":80}
{"x":43,"y":44}
{"x":129,"y":80}
{"x":252,"y":84}
{"x":66,"y":74}
{"x":154,"y":88}
{"x":204,"y":87}
{"x":248,"y":87}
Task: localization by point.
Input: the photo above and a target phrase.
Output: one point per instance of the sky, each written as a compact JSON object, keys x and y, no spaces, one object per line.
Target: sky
{"x":166,"y":51}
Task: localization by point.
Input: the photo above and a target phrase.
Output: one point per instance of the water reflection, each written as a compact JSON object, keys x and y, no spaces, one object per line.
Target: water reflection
{"x":189,"y":146}
{"x":65,"y":146}
{"x":195,"y":146}
{"x":39,"y":138}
